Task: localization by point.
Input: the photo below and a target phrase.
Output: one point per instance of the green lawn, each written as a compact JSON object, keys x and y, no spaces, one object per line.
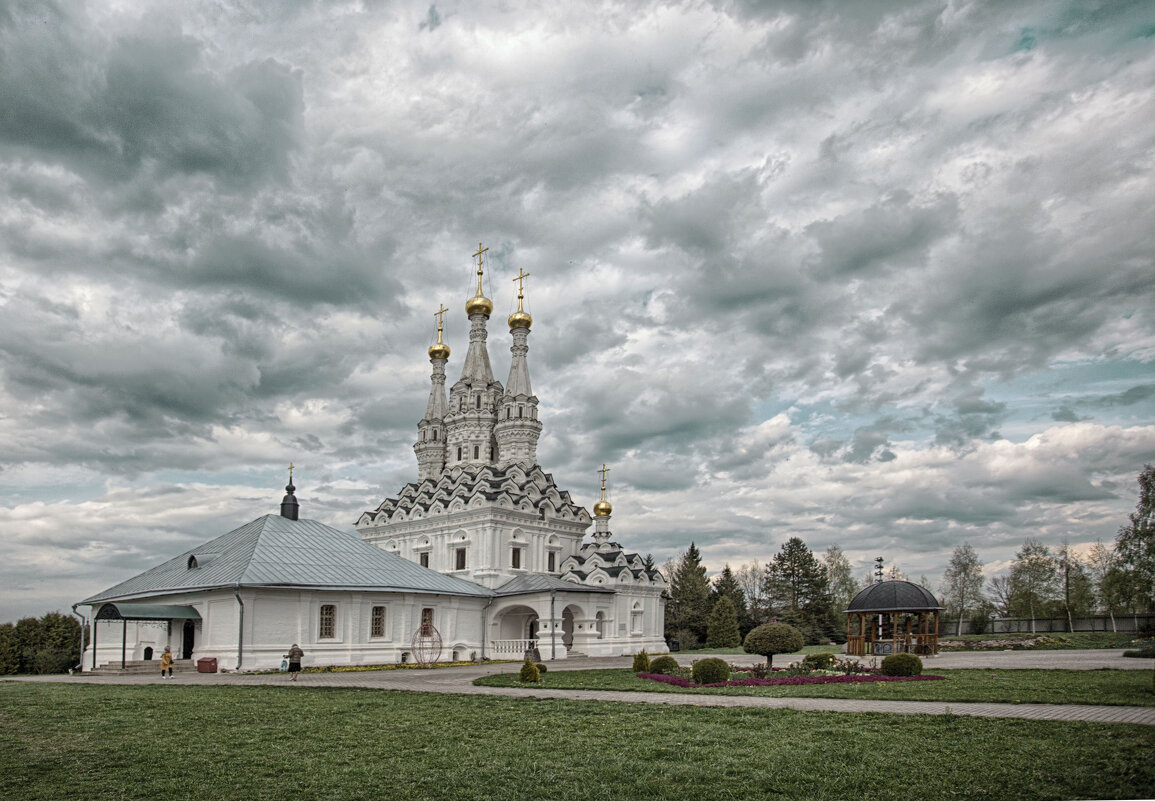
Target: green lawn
{"x":179,"y":742}
{"x":1112,"y":687}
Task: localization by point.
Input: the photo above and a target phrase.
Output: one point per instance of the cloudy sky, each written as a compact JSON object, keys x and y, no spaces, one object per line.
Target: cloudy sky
{"x":871,"y":274}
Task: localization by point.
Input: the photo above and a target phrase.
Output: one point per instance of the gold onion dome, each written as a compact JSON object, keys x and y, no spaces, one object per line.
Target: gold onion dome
{"x":479,"y":304}
{"x":520,"y":319}
{"x":439,"y":350}
{"x":602,"y":508}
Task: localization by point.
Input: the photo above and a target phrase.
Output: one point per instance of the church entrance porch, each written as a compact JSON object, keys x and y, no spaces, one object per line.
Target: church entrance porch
{"x":517,"y":632}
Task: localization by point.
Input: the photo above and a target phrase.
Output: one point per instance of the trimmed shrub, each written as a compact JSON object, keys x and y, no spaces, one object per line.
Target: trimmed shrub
{"x":1146,"y":652}
{"x":664,"y":665}
{"x":529,"y":673}
{"x":722,"y":627}
{"x":641,"y":662}
{"x":772,"y":638}
{"x":819,"y":661}
{"x":901,"y":665}
{"x":540,"y":667}
{"x":710,"y":671}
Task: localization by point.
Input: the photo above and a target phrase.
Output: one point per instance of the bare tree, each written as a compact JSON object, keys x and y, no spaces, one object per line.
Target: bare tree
{"x":1100,"y":561}
{"x":1034,"y":576}
{"x":750,"y":576}
{"x":1001,"y":594}
{"x":963,"y":582}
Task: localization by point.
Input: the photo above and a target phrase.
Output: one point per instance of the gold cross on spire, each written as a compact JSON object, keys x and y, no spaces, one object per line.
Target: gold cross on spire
{"x":521,"y":276}
{"x":440,"y":315}
{"x":478,"y":255}
{"x":603,"y":471}
{"x":290,"y":472}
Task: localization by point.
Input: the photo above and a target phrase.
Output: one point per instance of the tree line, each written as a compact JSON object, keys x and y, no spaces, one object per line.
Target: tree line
{"x":48,"y":644}
{"x":809,"y":592}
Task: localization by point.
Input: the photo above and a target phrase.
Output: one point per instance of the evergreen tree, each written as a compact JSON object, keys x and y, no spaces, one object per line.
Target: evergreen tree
{"x":963,"y":583}
{"x":1033,"y":580}
{"x":797,"y":590}
{"x":1135,"y":544}
{"x":726,"y":586}
{"x":689,"y":603}
{"x":722,"y":629}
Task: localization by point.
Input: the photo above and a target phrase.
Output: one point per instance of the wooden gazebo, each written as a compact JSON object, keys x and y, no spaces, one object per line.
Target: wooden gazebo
{"x":891,"y":617}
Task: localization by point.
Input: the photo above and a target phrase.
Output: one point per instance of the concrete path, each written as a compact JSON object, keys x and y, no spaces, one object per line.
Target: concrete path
{"x":459,"y":680}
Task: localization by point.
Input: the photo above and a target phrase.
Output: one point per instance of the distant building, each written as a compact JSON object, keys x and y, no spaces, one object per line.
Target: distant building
{"x":481,"y":557}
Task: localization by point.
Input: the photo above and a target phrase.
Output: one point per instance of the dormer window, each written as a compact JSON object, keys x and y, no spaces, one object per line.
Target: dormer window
{"x":192,"y":562}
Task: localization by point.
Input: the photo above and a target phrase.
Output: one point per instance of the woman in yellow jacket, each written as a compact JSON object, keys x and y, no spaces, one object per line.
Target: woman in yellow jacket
{"x":166,"y":663}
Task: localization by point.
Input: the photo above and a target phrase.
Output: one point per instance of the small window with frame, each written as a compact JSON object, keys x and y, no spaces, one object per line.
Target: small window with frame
{"x":377,"y":622}
{"x":459,"y":559}
{"x":327,"y":630}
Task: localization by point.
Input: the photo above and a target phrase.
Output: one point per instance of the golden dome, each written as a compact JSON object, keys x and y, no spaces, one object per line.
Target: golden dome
{"x":520,"y":319}
{"x":439,"y":350}
{"x":602,"y":508}
{"x":478,"y":304}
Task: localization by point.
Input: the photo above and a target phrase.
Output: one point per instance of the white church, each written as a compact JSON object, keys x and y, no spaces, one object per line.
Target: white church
{"x":481,"y":558}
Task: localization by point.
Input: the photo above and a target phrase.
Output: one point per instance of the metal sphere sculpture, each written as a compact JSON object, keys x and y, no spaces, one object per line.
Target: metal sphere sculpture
{"x":426,"y":645}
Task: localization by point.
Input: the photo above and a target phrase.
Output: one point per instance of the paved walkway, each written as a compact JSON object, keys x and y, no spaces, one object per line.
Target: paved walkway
{"x":459,"y":680}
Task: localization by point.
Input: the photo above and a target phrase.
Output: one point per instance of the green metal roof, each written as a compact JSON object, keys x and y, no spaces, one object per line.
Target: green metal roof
{"x":273,"y":551}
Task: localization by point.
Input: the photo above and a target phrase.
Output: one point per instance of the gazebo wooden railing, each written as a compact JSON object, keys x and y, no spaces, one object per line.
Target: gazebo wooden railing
{"x":891,"y":632}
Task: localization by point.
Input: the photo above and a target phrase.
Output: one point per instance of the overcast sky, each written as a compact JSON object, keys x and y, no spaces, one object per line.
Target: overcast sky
{"x":870,"y":274}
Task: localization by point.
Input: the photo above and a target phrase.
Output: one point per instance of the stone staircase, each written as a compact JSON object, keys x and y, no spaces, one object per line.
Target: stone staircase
{"x":142,"y":667}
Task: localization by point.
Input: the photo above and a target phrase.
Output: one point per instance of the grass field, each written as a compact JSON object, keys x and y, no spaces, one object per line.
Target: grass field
{"x":179,"y":742}
{"x":1111,"y":687}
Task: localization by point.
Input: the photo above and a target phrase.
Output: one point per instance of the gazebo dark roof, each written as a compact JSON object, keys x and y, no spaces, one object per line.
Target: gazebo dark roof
{"x":893,"y":596}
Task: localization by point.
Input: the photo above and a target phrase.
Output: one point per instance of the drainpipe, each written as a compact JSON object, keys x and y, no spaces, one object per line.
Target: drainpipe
{"x":240,"y":626}
{"x":552,"y":626}
{"x":83,"y":625}
{"x":485,"y":624}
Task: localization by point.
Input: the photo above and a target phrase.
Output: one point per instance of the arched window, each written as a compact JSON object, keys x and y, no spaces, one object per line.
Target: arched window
{"x":459,"y":453}
{"x":508,"y":412}
{"x":520,"y":409}
{"x":192,"y":562}
{"x":476,"y":452}
{"x":435,"y":435}
{"x":477,"y":401}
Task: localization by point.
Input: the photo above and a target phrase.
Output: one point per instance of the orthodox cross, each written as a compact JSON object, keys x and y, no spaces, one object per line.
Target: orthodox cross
{"x":440,"y":315}
{"x":290,"y":472}
{"x":477,"y":255}
{"x":603,"y":471}
{"x":521,"y":276}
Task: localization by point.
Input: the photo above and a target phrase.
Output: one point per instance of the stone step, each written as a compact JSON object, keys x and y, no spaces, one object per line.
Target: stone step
{"x":142,"y":666}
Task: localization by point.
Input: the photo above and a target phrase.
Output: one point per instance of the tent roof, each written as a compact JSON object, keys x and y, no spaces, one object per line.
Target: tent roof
{"x":893,"y":596}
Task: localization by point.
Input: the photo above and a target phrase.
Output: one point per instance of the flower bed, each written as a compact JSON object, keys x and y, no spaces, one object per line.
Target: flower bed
{"x":857,"y":678}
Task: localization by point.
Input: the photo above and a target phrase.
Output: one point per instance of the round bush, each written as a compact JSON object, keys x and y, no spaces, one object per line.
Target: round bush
{"x":641,"y":662}
{"x":772,"y":638}
{"x":665,"y":665}
{"x":901,"y":665}
{"x":540,"y":667}
{"x":529,"y":673}
{"x":822,"y":661}
{"x":710,"y":671}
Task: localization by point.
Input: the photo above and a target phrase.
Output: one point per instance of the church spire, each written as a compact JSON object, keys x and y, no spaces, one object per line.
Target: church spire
{"x":602,"y":512}
{"x":289,"y":506}
{"x":430,"y":444}
{"x":473,"y":399}
{"x":518,"y":428}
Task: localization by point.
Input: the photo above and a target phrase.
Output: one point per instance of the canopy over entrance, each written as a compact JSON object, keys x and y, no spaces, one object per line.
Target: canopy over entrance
{"x":122,"y":611}
{"x":892,"y":617}
{"x":126,"y":612}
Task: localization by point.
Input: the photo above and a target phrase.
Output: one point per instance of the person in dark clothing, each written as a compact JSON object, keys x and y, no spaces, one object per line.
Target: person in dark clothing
{"x":294,"y":656}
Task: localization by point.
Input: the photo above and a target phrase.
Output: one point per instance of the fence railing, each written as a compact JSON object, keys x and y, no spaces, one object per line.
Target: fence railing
{"x":512,"y":648}
{"x":1055,"y":625}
